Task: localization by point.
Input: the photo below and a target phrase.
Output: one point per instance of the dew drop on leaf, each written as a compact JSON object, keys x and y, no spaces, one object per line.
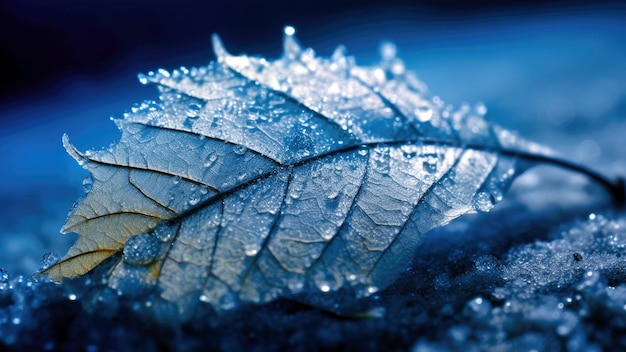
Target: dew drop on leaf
{"x":210,"y":160}
{"x":480,"y":108}
{"x":388,"y":51}
{"x":371,"y":290}
{"x":295,"y":284}
{"x":423,"y":113}
{"x":141,"y":249}
{"x":193,"y":110}
{"x":143,"y":79}
{"x":239,"y":149}
{"x":87,"y":184}
{"x":163,"y":72}
{"x":484,"y":202}
{"x":251,"y":250}
{"x":48,"y":260}
{"x":194,"y":200}
{"x":430,"y":164}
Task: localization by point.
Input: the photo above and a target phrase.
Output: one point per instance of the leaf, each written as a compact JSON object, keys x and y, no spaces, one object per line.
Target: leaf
{"x":252,"y":179}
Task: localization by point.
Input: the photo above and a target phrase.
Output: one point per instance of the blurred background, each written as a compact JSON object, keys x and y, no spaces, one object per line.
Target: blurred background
{"x":553,"y":70}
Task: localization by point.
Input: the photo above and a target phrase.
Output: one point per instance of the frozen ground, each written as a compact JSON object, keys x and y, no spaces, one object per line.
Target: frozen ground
{"x":544,"y":271}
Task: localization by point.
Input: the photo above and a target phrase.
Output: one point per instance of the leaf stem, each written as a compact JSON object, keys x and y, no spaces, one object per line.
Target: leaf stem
{"x":616,"y":188}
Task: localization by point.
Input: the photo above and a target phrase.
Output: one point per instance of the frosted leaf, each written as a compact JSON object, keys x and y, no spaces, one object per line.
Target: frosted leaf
{"x":255,"y":178}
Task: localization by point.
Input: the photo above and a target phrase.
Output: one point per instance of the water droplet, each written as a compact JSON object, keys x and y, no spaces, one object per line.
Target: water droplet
{"x":210,"y":160}
{"x":141,"y":249}
{"x":295,"y":284}
{"x":438,"y":101}
{"x":239,"y":149}
{"x":289,"y":30}
{"x":328,"y":233}
{"x":379,"y":159}
{"x":291,"y":48}
{"x":477,"y":308}
{"x":388,"y":51}
{"x":480,"y":108}
{"x":423,"y":113}
{"x":484,"y":202}
{"x":143,"y":79}
{"x":164,"y":73}
{"x":16,"y":321}
{"x":48,"y":260}
{"x":496,"y":195}
{"x":409,"y":151}
{"x":295,"y":193}
{"x":397,"y":68}
{"x":193,"y":110}
{"x":87,"y":184}
{"x":251,"y":250}
{"x":194,"y":200}
{"x":430,"y":165}
{"x":72,"y":297}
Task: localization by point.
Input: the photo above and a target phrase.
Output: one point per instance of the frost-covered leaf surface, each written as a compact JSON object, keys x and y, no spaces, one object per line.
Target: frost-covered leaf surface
{"x":253,"y":179}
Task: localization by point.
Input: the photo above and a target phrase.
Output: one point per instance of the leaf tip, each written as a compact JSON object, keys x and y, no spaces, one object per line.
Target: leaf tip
{"x":75,"y":265}
{"x":72,"y":151}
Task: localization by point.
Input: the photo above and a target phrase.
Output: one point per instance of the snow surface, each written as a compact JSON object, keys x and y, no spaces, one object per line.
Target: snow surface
{"x":544,"y":271}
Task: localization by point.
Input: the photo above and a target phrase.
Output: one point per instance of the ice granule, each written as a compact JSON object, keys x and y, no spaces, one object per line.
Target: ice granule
{"x":470,"y":288}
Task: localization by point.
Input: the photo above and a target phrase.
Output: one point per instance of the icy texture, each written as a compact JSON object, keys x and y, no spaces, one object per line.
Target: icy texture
{"x":524,"y":291}
{"x":268,"y":178}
